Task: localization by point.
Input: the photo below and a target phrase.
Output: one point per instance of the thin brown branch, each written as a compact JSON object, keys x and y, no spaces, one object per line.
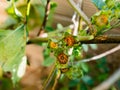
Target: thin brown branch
{"x":105,"y":85}
{"x":101,"y":55}
{"x":47,"y":10}
{"x":103,"y":39}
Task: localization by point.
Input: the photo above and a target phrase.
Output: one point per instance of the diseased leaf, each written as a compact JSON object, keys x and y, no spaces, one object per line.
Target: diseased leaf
{"x":12,"y":50}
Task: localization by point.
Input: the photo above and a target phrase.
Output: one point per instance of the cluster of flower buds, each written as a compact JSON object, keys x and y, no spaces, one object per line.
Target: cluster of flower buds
{"x":59,"y":49}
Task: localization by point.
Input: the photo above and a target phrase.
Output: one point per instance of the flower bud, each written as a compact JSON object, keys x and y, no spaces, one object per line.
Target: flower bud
{"x":62,"y":58}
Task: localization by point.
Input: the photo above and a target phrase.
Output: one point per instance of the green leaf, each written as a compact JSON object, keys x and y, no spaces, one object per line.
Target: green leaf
{"x":77,"y":51}
{"x":93,"y":46}
{"x":53,"y":5}
{"x":49,"y":28}
{"x":85,"y":47}
{"x":102,"y":64}
{"x":117,"y":12}
{"x":110,"y":3}
{"x":99,"y":3}
{"x":43,"y":2}
{"x":59,"y":26}
{"x":85,"y":67}
{"x":48,"y":61}
{"x":12,"y":51}
{"x":88,"y":80}
{"x":102,"y":76}
{"x":74,"y":83}
{"x":22,"y":9}
{"x":75,"y":72}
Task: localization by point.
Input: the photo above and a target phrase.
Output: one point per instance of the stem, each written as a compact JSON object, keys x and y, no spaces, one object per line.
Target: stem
{"x":80,"y":24}
{"x":102,"y":39}
{"x":56,"y":80}
{"x":28,"y":11}
{"x":47,"y":10}
{"x":117,"y":24}
{"x":101,"y":55}
{"x":80,"y":12}
{"x":105,"y":85}
{"x":37,"y":40}
{"x":80,"y":27}
{"x":47,"y":82}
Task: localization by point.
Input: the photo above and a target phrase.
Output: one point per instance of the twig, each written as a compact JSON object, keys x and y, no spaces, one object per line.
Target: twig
{"x":109,"y":82}
{"x":80,"y":12}
{"x":47,"y":82}
{"x":101,"y":55}
{"x":76,"y":23}
{"x":47,"y":10}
